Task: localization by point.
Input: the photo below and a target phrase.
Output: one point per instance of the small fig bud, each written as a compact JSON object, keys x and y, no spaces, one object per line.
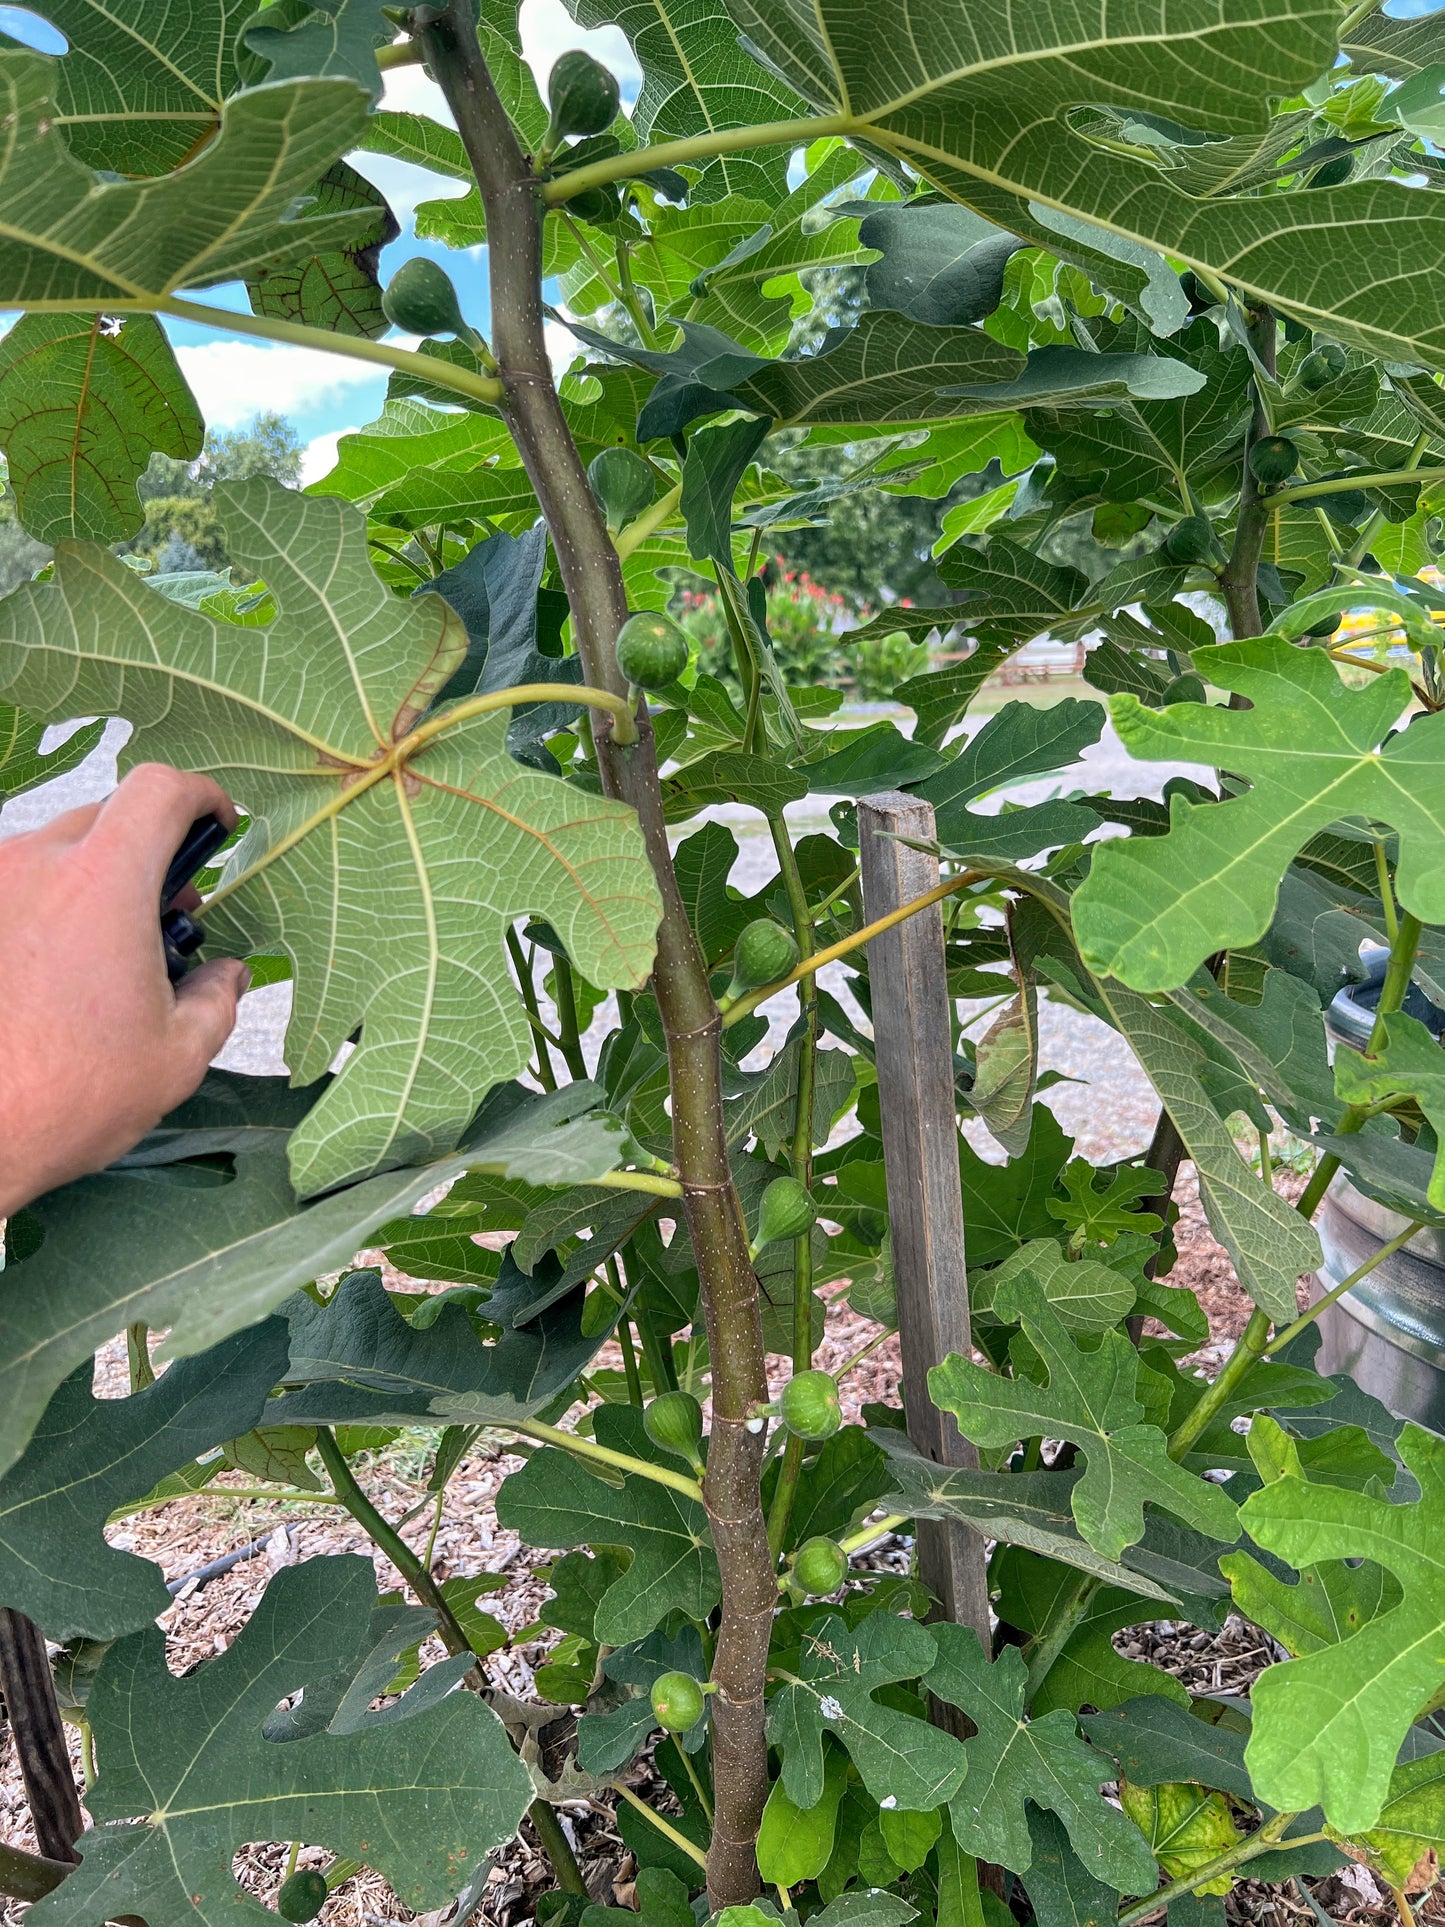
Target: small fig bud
{"x":674,"y":1423}
{"x":1272,"y":460}
{"x":809,"y":1405}
{"x":420,"y":300}
{"x":623,"y":483}
{"x":787,"y":1210}
{"x":763,"y":953}
{"x":583,"y":97}
{"x":1322,"y":366}
{"x":302,"y":1895}
{"x":652,"y":651}
{"x":677,"y":1702}
{"x":1190,"y":541}
{"x":820,"y":1566}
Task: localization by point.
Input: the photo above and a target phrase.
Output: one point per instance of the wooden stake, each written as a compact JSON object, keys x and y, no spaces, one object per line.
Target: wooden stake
{"x":29,"y":1689}
{"x":914,"y":1047}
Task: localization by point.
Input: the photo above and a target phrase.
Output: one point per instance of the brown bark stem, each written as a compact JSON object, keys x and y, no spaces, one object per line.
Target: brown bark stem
{"x":592,"y":577}
{"x":1239,"y":582}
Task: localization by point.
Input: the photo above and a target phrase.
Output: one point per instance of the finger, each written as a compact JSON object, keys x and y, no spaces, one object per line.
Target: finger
{"x":71,"y":826}
{"x":143,"y":822}
{"x":206,"y":1001}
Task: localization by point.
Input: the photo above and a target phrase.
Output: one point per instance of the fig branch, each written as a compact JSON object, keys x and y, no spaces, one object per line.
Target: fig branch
{"x":592,"y":576}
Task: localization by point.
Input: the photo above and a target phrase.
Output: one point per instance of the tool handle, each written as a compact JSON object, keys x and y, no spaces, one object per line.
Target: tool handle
{"x":181,"y":935}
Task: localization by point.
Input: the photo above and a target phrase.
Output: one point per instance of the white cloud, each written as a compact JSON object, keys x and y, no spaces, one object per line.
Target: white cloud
{"x":411,"y":90}
{"x":318,"y":458}
{"x":548,"y":30}
{"x":232,"y":380}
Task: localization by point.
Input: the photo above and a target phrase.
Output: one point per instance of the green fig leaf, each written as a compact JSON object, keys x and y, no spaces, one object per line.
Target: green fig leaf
{"x":83,"y":403}
{"x":390,"y":908}
{"x":899,"y":1756}
{"x":1090,"y":1399}
{"x":90,"y":1456}
{"x":1153,"y":908}
{"x":1012,"y":1760}
{"x":188,"y":1775}
{"x":555,"y":1500}
{"x":1328,"y":1726}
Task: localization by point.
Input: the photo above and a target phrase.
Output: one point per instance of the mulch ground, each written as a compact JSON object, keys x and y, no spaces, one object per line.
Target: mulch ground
{"x":186,"y":1535}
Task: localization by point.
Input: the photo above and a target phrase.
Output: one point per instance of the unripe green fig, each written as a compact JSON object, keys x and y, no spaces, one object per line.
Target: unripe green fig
{"x":1322,"y":366}
{"x":652,"y":651}
{"x":677,"y":1702}
{"x":786,"y":1210}
{"x":302,"y":1895}
{"x":762,"y":954}
{"x":420,"y":300}
{"x":1190,"y":541}
{"x":1326,"y":626}
{"x":1272,"y":460}
{"x":809,"y":1405}
{"x":674,"y":1422}
{"x":820,"y":1566}
{"x":623,"y":483}
{"x":582,"y":95}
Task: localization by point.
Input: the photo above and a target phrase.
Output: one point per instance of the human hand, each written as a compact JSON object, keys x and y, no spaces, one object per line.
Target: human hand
{"x":95,"y":1046}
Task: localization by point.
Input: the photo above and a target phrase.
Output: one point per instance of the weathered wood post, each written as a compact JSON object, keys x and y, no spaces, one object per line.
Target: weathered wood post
{"x":39,"y":1732}
{"x":914,"y":1045}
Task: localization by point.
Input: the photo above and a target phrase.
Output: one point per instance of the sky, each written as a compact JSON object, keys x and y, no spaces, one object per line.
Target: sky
{"x":323,"y":395}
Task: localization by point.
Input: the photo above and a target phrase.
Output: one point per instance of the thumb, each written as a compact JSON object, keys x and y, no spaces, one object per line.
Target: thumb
{"x":206,"y":1001}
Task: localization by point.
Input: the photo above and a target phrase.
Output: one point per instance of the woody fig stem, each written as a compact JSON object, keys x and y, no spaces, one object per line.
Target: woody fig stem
{"x":592,"y":577}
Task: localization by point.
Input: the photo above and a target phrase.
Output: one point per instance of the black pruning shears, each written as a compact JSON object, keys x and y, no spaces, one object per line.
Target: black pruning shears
{"x":181,"y":935}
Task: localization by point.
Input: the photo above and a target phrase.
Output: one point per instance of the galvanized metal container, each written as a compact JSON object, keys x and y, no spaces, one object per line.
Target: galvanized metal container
{"x":1389,"y":1332}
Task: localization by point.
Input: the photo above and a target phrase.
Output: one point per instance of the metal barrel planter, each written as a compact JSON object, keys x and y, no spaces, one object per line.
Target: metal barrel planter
{"x":1389,"y":1332}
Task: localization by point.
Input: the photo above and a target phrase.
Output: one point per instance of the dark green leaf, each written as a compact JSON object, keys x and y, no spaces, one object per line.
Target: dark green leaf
{"x":1063,"y":1891}
{"x":1012,"y":1760}
{"x":717,"y":460}
{"x":897,"y":1754}
{"x":339,"y":289}
{"x":1091,"y":1400}
{"x":356,"y":1359}
{"x":188,"y":1777}
{"x":90,"y":1456}
{"x":1156,"y":1740}
{"x":555,"y":1501}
